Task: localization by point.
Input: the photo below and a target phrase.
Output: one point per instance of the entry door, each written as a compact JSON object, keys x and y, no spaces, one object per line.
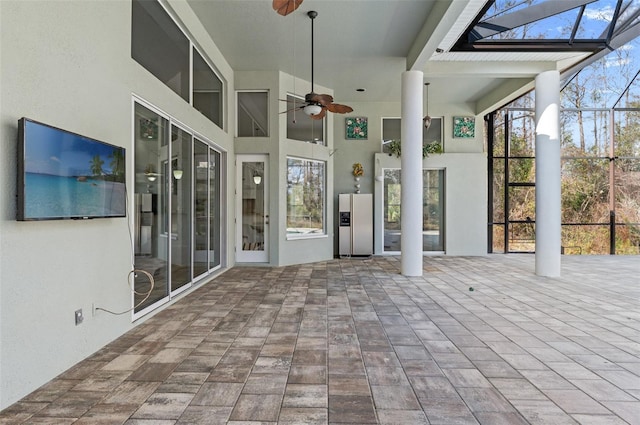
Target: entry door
{"x":252,"y":209}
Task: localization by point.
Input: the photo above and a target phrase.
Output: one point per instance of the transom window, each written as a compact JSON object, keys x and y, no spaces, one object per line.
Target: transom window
{"x":253,"y":113}
{"x":162,"y":48}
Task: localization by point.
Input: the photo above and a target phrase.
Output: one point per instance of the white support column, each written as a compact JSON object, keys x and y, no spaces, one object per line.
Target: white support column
{"x":548,"y":204}
{"x":411,"y":174}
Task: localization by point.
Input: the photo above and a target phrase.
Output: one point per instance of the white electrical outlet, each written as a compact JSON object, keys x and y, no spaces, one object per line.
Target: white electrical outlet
{"x":79,"y":317}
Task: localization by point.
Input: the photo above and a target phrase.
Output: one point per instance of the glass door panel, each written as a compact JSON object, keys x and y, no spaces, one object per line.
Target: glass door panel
{"x":432,"y":213}
{"x":215,"y":199}
{"x":433,"y":210}
{"x":251,"y":245}
{"x":180,"y":178}
{"x":206,"y":236}
{"x":391,"y":196}
{"x":201,"y":208}
{"x":151,"y":246}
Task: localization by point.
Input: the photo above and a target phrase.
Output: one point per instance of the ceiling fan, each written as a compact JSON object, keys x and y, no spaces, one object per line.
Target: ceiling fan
{"x":316,"y":105}
{"x":285,"y":7}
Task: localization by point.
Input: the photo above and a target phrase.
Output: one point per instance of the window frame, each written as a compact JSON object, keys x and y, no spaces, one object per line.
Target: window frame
{"x":298,"y":236}
{"x":267,"y":130}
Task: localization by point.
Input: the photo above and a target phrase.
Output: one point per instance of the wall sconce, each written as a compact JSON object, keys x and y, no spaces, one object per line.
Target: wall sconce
{"x":177,"y":174}
{"x":257,"y":179}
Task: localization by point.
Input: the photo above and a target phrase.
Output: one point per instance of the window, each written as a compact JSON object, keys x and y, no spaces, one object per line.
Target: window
{"x":305,"y":198}
{"x":300,"y":126}
{"x":600,"y":190}
{"x":391,"y":130}
{"x":253,"y":114}
{"x":162,"y":48}
{"x":207,"y":90}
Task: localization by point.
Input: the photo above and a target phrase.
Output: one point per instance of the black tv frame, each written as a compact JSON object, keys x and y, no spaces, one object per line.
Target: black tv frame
{"x":21,"y":213}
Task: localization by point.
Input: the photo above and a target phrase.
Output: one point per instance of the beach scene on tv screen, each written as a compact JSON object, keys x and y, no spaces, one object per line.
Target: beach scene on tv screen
{"x":67,"y":175}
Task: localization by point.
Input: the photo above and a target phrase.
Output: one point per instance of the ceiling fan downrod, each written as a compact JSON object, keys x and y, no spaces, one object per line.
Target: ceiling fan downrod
{"x":312,"y":15}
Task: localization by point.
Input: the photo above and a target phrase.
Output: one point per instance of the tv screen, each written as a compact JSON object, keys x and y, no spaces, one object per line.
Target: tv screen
{"x":62,"y":175}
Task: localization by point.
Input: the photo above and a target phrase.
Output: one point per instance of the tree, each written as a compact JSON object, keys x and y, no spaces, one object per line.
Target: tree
{"x":117,"y":163}
{"x":96,"y":165}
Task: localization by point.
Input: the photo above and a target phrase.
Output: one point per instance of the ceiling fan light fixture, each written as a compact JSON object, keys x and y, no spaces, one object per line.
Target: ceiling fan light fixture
{"x":312,"y":109}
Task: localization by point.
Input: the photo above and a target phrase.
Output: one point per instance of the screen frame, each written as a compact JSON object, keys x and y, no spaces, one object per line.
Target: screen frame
{"x":21,"y":174}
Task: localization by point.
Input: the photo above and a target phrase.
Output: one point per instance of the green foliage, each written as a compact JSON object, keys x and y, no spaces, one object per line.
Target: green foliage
{"x":585,"y":179}
{"x":117,"y":164}
{"x":395,"y":148}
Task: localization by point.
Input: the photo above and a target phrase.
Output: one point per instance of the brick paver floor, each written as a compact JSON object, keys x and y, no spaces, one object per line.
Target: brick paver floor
{"x":352,"y":341}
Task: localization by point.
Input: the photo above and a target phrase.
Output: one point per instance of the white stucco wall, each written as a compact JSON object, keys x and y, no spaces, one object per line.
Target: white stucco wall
{"x":465,"y":203}
{"x":68,"y":64}
{"x":284,"y":251}
{"x":464,"y":162}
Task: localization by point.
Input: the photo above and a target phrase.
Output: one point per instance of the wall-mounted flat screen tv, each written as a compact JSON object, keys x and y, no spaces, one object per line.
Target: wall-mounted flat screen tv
{"x":63,"y":175}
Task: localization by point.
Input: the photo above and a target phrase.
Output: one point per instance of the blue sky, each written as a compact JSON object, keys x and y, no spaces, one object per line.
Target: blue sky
{"x":52,"y":151}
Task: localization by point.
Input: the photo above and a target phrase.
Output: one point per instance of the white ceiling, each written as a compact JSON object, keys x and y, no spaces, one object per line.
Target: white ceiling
{"x":369,"y":43}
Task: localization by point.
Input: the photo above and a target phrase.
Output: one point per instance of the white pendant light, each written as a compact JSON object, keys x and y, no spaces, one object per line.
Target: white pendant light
{"x":427,"y":119}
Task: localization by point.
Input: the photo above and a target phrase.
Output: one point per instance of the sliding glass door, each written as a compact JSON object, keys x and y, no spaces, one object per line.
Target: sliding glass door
{"x":177,"y":226}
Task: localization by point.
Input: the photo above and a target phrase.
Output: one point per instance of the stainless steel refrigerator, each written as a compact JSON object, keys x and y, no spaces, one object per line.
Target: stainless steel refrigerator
{"x":355,"y":215}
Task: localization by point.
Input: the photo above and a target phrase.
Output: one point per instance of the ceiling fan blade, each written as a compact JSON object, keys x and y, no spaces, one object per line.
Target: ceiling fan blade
{"x":285,"y":7}
{"x":339,"y":109}
{"x":319,"y":115}
{"x":323,"y":99}
{"x":297,"y":108}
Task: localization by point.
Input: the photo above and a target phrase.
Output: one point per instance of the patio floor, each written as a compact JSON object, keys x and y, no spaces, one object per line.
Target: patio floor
{"x":352,"y":341}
